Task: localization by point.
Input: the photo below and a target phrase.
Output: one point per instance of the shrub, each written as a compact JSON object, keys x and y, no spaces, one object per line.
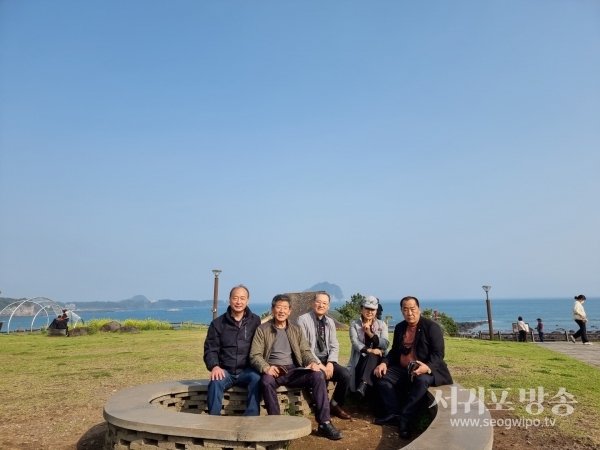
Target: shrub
{"x":447,"y":323}
{"x":143,"y":325}
{"x":350,"y":310}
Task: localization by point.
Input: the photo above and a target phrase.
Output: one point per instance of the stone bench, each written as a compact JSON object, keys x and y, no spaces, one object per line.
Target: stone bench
{"x":153,"y":416}
{"x":441,"y":433}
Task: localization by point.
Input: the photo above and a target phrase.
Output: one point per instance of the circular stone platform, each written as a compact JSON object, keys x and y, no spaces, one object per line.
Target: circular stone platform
{"x":153,"y":416}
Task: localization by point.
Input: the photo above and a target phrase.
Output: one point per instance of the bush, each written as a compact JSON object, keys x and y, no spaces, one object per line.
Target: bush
{"x":447,"y":323}
{"x":143,"y":325}
{"x":350,"y":310}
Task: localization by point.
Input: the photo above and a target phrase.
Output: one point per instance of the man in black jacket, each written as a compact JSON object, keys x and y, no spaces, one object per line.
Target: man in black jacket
{"x":415,"y":362}
{"x":226,"y":351}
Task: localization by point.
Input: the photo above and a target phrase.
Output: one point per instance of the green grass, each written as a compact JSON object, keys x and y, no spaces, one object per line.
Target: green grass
{"x":513,"y":366}
{"x":81,"y":373}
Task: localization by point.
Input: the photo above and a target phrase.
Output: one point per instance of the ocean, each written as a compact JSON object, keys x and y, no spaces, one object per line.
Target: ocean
{"x":555,"y":313}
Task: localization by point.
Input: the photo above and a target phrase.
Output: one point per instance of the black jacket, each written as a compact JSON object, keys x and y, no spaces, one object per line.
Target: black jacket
{"x":228,"y":346}
{"x":428,"y":348}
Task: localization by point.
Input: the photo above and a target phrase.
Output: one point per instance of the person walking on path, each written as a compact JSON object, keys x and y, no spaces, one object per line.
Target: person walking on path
{"x":581,"y":319}
{"x":540,"y":329}
{"x":522,"y":328}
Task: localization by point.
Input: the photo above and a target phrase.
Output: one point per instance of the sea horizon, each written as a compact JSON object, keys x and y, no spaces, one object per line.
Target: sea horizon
{"x":556,"y":313}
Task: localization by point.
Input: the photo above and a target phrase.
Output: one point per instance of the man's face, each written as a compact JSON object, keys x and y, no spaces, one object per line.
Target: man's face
{"x":411,"y":312}
{"x":238,"y":300}
{"x":281,"y":311}
{"x":321,"y":305}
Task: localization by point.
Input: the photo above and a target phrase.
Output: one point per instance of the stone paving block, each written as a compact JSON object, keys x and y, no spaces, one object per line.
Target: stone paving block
{"x":148,"y":435}
{"x":167,"y":445}
{"x":214,"y":444}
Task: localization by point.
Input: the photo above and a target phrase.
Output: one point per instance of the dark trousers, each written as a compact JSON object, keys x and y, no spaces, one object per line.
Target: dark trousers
{"x":365,"y":367}
{"x":581,"y":332}
{"x":398,"y":376}
{"x":341,"y":376}
{"x":297,"y":378}
{"x":541,"y":336}
{"x":522,"y":336}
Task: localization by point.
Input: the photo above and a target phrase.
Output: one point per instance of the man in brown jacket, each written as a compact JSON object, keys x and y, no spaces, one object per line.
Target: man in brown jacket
{"x":281,"y":354}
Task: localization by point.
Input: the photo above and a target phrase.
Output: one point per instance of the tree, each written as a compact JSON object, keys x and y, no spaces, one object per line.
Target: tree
{"x":351,"y":310}
{"x":447,"y":323}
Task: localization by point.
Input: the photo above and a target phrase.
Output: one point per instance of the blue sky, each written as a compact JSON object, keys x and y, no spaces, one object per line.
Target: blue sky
{"x":392,"y":148}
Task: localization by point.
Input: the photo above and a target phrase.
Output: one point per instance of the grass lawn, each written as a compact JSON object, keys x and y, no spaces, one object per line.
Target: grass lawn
{"x":53,"y":389}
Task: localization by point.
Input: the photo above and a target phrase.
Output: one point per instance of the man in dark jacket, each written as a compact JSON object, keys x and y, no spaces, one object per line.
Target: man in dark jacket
{"x":226,"y":351}
{"x":415,"y":362}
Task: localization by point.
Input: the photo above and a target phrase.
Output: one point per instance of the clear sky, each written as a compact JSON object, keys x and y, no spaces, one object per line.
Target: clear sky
{"x":393,"y":148}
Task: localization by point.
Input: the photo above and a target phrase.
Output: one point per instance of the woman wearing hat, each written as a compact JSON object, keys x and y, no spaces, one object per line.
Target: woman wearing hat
{"x":581,"y":319}
{"x":369,"y":338}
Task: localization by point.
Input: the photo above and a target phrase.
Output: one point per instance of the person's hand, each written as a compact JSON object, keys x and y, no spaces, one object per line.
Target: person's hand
{"x":328,"y":371}
{"x":423,"y":368}
{"x":217,"y":373}
{"x":380,"y":370}
{"x":584,"y":320}
{"x":367,"y":329}
{"x":314,"y":367}
{"x":375,"y":351}
{"x":273,"y":371}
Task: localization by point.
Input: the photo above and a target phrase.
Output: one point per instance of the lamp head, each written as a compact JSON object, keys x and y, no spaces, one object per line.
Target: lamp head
{"x":217,"y":272}
{"x":486,"y":288}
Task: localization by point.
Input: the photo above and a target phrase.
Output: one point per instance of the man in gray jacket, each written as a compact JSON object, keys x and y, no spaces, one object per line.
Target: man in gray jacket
{"x":319,"y":330}
{"x":281,"y":354}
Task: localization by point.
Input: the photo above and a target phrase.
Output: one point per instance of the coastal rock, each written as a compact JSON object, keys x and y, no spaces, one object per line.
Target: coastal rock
{"x":110,"y":327}
{"x":465,"y":327}
{"x":81,"y":331}
{"x":128,"y":329}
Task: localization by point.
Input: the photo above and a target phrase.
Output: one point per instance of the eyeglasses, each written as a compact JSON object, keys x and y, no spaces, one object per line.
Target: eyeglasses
{"x":321,"y":303}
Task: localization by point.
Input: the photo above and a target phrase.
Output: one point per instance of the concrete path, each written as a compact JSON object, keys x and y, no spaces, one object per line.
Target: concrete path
{"x":587,"y":353}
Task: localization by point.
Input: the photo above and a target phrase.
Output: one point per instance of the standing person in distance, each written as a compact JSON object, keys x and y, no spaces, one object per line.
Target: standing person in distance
{"x":226,"y":353}
{"x":370,"y":340}
{"x":319,"y":330}
{"x":580,"y":319}
{"x":522,"y":328}
{"x":540,"y":329}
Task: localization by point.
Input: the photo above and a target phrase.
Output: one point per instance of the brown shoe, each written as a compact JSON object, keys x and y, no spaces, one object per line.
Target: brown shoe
{"x":339,"y":412}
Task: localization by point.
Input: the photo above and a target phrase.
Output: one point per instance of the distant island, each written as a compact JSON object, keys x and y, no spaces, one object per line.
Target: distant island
{"x":141,"y":302}
{"x":137,"y":302}
{"x":334,"y":291}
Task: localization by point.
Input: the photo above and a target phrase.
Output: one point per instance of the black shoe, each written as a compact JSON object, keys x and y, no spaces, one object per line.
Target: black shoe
{"x":387,"y":420}
{"x":403,"y":430}
{"x":362,"y":389}
{"x":329,"y":431}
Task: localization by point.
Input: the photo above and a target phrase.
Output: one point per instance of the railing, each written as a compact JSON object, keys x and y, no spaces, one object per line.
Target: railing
{"x":532,"y":336}
{"x":187,"y":325}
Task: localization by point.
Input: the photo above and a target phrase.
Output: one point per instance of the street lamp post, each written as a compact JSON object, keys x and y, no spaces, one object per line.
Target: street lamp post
{"x":216,"y":294}
{"x":489,"y":310}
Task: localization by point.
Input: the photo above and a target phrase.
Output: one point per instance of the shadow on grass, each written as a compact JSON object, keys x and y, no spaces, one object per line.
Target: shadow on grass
{"x":93,"y":439}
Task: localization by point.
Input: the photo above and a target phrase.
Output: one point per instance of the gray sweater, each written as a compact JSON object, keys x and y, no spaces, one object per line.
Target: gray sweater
{"x":308,"y":325}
